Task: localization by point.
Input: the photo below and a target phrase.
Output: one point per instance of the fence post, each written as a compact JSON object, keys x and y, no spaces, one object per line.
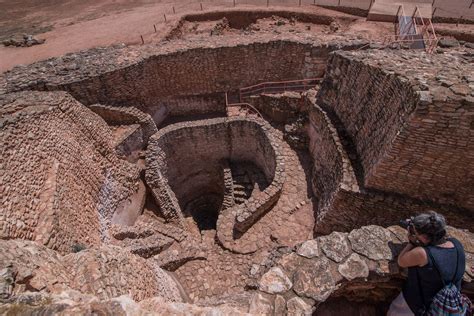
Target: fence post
{"x":164,"y":15}
{"x":234,"y":3}
{"x":154,"y":26}
{"x":201,"y":5}
{"x":299,"y":3}
{"x":314,"y":2}
{"x":143,"y":42}
{"x":268,"y":2}
{"x":339,"y":3}
{"x":174,"y":12}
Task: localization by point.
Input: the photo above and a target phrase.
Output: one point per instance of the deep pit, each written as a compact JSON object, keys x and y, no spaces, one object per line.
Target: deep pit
{"x":157,"y":173}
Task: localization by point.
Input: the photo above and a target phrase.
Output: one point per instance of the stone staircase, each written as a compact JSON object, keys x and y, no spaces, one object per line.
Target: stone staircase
{"x":246,"y":179}
{"x":242,"y":188}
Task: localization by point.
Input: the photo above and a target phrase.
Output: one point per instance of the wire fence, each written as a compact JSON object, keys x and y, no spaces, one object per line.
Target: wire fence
{"x":456,"y":10}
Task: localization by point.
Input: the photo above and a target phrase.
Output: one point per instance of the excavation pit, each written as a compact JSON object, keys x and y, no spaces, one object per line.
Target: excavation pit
{"x":199,"y":169}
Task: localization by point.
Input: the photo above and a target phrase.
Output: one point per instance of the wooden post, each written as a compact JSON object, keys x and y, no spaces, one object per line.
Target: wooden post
{"x":174,"y":12}
{"x":164,"y":15}
{"x":314,"y":2}
{"x":154,"y":26}
{"x":299,"y":3}
{"x":268,"y":2}
{"x":234,"y":3}
{"x":143,"y":42}
{"x":201,"y":5}
{"x":339,"y":3}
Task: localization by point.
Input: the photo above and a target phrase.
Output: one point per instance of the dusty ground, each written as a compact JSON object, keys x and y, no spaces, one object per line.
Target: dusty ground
{"x":72,"y":25}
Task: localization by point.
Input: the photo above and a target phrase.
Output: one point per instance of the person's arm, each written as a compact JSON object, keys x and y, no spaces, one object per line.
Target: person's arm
{"x":412,"y":256}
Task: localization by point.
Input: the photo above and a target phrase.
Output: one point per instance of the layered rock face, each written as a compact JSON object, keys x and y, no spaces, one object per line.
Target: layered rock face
{"x":103,"y":272}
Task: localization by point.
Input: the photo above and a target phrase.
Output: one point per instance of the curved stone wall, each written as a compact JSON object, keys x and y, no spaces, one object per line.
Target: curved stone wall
{"x":185,"y":150}
{"x":181,"y":77}
{"x":126,"y":116}
{"x":409,"y":119}
{"x":344,"y":203}
{"x":61,"y":181}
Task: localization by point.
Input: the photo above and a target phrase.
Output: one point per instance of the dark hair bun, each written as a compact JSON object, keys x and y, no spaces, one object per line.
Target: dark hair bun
{"x":431,"y":224}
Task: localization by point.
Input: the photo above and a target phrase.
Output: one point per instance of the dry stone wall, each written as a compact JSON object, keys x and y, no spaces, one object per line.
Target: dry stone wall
{"x":345,"y":204}
{"x":60,"y":179}
{"x":126,"y":116}
{"x":342,"y":265}
{"x":197,"y":149}
{"x":410,"y":119}
{"x":159,"y":79}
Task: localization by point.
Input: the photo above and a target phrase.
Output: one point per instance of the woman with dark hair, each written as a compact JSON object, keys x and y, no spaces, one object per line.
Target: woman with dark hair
{"x":427,"y":252}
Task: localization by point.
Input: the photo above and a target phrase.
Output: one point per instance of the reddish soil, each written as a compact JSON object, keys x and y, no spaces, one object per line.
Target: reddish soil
{"x":73,"y":25}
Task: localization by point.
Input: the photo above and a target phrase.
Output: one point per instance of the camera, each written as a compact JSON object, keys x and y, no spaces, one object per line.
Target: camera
{"x":405,"y":223}
{"x":408,"y":225}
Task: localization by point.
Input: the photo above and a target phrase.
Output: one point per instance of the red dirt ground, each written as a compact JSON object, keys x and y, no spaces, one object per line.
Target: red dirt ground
{"x":73,"y":25}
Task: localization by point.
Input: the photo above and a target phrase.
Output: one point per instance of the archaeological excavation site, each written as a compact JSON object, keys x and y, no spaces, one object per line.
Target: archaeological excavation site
{"x":247,"y":161}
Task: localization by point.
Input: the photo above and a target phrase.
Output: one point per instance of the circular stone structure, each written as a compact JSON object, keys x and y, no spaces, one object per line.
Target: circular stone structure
{"x":189,"y":170}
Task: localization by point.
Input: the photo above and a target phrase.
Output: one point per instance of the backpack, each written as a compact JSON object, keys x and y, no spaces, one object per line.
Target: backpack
{"x":449,"y":301}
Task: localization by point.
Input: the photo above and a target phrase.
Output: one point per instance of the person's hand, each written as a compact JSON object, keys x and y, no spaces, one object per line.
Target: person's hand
{"x":412,"y":238}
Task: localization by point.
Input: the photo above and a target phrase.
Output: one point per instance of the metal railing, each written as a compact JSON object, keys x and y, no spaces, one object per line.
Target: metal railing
{"x":249,"y":107}
{"x":278,"y":87}
{"x":422,"y":32}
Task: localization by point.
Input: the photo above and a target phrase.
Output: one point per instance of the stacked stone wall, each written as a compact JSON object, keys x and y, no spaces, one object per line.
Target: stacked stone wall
{"x":126,"y":116}
{"x":243,"y":18}
{"x":331,"y":165}
{"x":343,"y":204}
{"x":189,"y":149}
{"x":61,"y":180}
{"x":410,"y":119}
{"x":371,"y":105}
{"x":360,"y":266}
{"x":171,"y":78}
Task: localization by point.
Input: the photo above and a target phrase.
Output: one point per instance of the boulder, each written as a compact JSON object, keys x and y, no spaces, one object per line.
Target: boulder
{"x":335,"y":246}
{"x":275,"y":281}
{"x":297,"y":307}
{"x":309,"y":249}
{"x":354,"y":267}
{"x":372,"y":241}
{"x":314,"y":280}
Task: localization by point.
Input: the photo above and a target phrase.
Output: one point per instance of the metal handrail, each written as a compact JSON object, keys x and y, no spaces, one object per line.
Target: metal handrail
{"x":248,"y":105}
{"x":240,"y":104}
{"x":292,"y":85}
